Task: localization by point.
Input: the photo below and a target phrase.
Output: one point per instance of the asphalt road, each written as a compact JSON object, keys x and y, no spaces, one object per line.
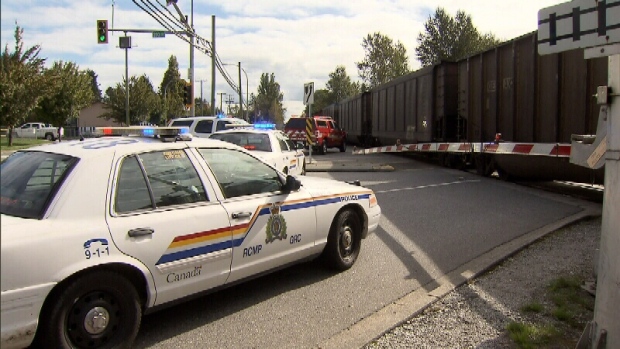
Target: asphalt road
{"x":435,"y":220}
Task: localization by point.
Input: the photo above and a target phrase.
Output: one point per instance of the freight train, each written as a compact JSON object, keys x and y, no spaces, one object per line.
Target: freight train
{"x":507,"y":109}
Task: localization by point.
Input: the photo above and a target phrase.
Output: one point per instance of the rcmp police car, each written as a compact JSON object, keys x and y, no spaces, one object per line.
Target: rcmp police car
{"x":269,"y":144}
{"x":99,"y":231}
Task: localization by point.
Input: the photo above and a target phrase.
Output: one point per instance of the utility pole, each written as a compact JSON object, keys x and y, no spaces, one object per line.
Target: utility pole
{"x":202,"y":107}
{"x":240,"y":94}
{"x":228,"y":103}
{"x":221,"y":94}
{"x":213,"y":65}
{"x":192,"y":108}
{"x":124,"y":42}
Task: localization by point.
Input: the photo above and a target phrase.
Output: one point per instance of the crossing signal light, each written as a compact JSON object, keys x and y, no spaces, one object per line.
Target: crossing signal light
{"x":102,"y":31}
{"x":188,"y":94}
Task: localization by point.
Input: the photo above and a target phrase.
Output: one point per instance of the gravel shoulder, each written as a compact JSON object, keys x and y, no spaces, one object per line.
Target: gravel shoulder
{"x":476,"y":314}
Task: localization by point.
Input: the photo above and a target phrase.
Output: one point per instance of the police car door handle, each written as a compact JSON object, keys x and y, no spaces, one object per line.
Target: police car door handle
{"x":140,"y":232}
{"x":237,"y":215}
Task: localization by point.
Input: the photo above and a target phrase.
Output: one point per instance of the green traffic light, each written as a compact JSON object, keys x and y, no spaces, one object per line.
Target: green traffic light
{"x":102,"y":38}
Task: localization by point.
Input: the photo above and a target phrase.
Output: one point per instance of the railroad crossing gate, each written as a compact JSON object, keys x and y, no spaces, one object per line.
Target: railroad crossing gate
{"x":578,"y":24}
{"x":595,"y":26}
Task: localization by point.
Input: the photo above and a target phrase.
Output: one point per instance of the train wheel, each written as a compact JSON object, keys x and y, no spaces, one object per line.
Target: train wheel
{"x":484,"y":166}
{"x":503,"y":175}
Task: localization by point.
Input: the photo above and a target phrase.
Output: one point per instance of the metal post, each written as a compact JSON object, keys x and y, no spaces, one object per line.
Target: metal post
{"x":213,"y":64}
{"x":240,"y":94}
{"x":312,"y":143}
{"x":126,"y":84}
{"x":606,"y":327}
{"x":192,"y":107}
{"x":221,"y":94}
{"x":247,"y":100}
{"x":202,"y":112}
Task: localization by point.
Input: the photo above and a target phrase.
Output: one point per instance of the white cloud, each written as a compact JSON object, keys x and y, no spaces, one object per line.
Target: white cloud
{"x":298,"y":41}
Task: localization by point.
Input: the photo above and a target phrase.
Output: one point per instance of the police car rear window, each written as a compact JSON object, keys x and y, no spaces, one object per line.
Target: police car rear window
{"x":181,"y":123}
{"x":29,"y":181}
{"x":250,"y":141}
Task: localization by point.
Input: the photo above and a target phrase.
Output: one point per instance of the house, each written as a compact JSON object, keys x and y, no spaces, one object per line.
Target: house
{"x":89,"y":119}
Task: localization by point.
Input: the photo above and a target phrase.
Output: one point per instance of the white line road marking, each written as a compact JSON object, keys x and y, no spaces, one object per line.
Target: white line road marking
{"x":428,"y":186}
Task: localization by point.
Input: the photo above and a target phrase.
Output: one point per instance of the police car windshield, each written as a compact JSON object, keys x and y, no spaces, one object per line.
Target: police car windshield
{"x":29,"y":180}
{"x":248,"y":140}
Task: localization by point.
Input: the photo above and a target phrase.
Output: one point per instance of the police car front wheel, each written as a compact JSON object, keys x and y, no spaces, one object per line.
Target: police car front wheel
{"x":344,"y":241}
{"x":98,"y":310}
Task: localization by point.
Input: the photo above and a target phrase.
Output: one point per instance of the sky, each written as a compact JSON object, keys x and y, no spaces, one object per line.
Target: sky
{"x":298,"y":41}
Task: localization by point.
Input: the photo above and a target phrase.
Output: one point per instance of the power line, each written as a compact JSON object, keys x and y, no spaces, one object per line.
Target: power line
{"x":169,"y":21}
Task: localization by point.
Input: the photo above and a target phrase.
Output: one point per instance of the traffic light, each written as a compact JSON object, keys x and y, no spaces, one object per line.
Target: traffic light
{"x":102,"y":31}
{"x":188,"y":94}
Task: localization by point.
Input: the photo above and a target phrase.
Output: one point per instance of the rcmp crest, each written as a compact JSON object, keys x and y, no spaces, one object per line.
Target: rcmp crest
{"x":276,"y":225}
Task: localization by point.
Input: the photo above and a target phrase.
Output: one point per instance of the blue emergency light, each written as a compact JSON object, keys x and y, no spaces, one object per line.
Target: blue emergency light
{"x":265,"y":126}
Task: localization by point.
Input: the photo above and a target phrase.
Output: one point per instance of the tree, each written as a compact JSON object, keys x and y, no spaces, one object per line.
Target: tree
{"x":171,"y":91}
{"x":322,"y":99}
{"x":383,"y":61}
{"x":71,"y":90}
{"x":340,"y":85}
{"x":94,"y":85}
{"x":21,"y":82}
{"x":143,"y":101}
{"x":202,"y":106}
{"x":451,"y":39}
{"x":268,"y":102}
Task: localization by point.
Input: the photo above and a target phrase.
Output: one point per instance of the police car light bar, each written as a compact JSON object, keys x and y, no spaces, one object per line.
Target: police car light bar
{"x":142,"y":131}
{"x":254,"y":126}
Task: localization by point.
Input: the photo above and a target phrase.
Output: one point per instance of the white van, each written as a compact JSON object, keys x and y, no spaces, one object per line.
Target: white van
{"x":204,"y":126}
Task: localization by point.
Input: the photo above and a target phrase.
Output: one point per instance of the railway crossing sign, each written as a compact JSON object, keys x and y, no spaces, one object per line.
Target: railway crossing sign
{"x":578,"y":24}
{"x":309,"y":92}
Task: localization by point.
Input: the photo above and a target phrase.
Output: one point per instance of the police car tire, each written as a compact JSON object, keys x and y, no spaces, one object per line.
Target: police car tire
{"x":324,"y":147}
{"x":303,"y":169}
{"x":344,"y":241}
{"x":62,"y":325}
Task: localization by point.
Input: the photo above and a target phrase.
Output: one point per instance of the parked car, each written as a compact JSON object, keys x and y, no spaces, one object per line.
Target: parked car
{"x":325,"y":133}
{"x":204,"y":126}
{"x":96,"y":232}
{"x":269,"y":144}
{"x":38,"y":130}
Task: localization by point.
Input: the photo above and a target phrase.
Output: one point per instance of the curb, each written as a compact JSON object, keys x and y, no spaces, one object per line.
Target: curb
{"x":398,"y":312}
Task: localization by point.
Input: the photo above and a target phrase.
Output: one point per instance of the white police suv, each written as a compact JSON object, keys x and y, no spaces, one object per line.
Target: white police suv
{"x":99,"y":231}
{"x":269,"y":144}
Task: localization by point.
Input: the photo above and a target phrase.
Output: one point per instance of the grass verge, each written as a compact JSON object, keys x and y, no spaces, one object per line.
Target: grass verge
{"x":563,"y":314}
{"x":20,"y":143}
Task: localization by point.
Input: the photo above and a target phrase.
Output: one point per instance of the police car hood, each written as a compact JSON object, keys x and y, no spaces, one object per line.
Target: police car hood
{"x":323,"y":186}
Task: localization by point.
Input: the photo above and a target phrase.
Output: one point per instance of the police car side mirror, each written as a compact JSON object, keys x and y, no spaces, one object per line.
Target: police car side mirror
{"x":292,"y":184}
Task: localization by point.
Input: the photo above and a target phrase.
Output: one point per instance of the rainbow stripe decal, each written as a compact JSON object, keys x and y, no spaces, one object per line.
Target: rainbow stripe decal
{"x":195,"y":244}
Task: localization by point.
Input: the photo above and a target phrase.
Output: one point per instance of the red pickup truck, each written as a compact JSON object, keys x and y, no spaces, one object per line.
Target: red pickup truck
{"x":325,"y":133}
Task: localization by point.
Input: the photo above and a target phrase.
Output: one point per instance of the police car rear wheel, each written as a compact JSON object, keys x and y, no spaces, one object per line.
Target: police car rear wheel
{"x":344,"y":241}
{"x":323,"y":148}
{"x":98,"y":310}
